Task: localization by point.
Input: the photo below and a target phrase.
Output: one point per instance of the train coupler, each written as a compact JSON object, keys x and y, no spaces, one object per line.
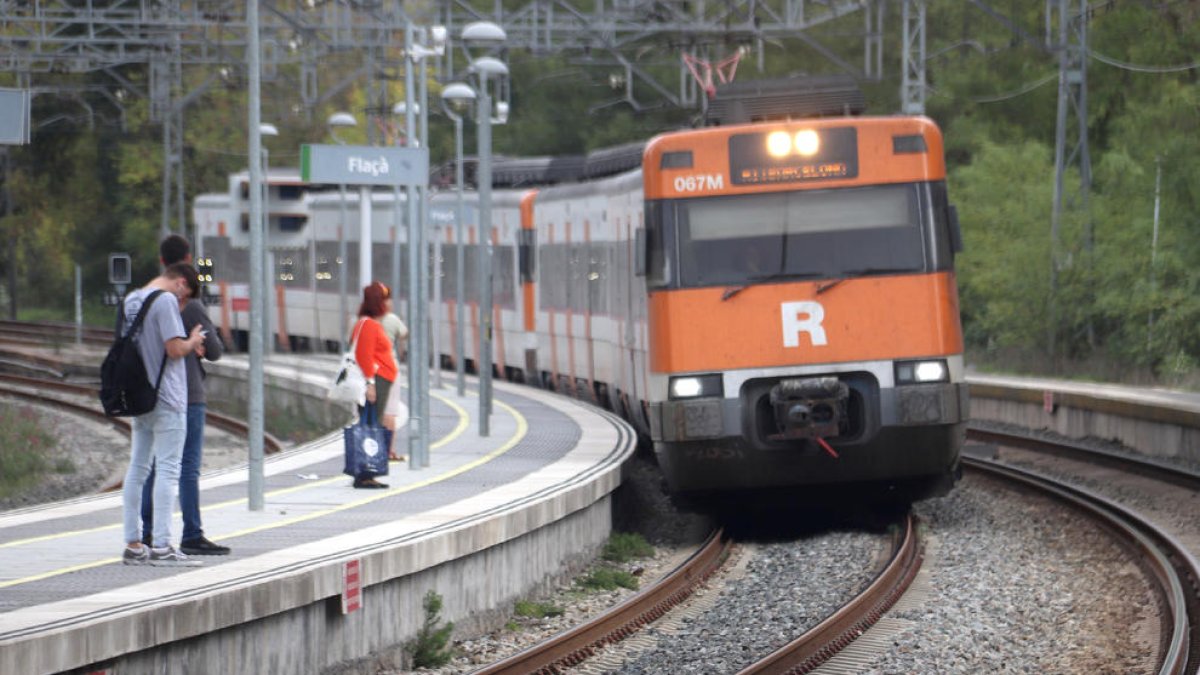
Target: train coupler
{"x":809,"y":408}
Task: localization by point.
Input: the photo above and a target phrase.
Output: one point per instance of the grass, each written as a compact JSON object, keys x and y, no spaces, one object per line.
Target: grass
{"x":22,"y":444}
{"x":608,"y":579}
{"x":625,"y":546}
{"x":536,"y":610}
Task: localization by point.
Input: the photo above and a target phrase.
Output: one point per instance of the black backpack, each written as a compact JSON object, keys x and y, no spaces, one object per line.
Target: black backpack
{"x":124,"y":385}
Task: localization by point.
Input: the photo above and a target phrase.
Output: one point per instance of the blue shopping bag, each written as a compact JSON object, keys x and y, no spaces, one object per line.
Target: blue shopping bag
{"x":366,"y":446}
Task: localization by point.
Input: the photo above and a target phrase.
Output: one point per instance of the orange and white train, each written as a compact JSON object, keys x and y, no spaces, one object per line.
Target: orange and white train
{"x":772,"y":304}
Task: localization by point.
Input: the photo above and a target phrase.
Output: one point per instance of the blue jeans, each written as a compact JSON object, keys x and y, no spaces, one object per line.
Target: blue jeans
{"x":158,"y":438}
{"x":189,"y":479}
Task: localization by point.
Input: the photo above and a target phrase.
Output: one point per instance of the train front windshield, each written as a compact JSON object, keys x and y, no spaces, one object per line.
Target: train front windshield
{"x":803,"y":234}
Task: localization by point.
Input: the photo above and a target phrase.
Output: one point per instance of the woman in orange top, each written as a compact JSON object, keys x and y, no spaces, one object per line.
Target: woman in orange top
{"x":376,"y":357}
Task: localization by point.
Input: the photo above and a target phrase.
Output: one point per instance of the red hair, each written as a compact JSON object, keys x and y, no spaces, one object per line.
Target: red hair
{"x":373,"y":297}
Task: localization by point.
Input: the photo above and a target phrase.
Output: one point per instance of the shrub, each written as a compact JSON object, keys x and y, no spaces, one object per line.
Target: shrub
{"x":430,"y":649}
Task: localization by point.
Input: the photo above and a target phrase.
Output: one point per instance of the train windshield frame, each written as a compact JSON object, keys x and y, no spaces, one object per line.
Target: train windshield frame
{"x":797,"y":234}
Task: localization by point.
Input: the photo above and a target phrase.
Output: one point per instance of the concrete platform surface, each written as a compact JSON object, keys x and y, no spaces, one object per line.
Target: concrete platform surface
{"x":66,"y":600}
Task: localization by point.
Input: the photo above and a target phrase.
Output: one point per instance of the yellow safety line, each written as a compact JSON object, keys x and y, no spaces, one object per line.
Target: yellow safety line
{"x":521,"y":431}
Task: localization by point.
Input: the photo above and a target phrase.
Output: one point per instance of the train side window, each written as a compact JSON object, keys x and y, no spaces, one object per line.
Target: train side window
{"x":526,"y":254}
{"x":291,"y":223}
{"x":291,"y":192}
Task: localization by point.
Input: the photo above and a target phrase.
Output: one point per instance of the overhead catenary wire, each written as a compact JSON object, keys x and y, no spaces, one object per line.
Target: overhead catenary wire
{"x":1140,"y":68}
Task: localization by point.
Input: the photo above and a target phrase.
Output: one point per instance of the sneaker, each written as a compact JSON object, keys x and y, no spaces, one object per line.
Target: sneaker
{"x":202,"y":546}
{"x":136,"y":556}
{"x":170,"y":557}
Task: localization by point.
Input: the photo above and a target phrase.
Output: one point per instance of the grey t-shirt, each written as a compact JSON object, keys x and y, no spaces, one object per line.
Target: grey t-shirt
{"x":162,"y":323}
{"x":194,"y":313}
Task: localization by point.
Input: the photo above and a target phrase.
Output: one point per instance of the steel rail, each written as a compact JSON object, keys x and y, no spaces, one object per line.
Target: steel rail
{"x":1146,"y":466}
{"x":577,"y":644}
{"x":1166,"y":558}
{"x":845,"y":625}
{"x":221,"y":421}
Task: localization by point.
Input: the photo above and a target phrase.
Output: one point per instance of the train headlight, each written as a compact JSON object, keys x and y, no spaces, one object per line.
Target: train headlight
{"x":918,"y":372}
{"x":696,"y":386}
{"x":807,"y":142}
{"x":779,"y":143}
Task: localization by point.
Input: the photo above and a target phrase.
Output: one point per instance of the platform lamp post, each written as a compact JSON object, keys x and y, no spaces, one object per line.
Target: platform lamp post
{"x":458,"y":95}
{"x":485,"y":34}
{"x":434,"y":39}
{"x":266,"y":130}
{"x":341,"y":120}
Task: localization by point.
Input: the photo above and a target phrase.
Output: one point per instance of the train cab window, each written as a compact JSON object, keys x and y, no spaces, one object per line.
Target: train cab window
{"x":660,"y":228}
{"x":800,"y":234}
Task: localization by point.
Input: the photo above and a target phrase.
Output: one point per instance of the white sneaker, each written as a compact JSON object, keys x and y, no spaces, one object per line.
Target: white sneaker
{"x":136,"y":556}
{"x":171,"y":557}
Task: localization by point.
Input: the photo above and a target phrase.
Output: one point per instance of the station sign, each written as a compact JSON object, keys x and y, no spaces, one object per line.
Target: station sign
{"x":364,"y":165}
{"x":14,"y":116}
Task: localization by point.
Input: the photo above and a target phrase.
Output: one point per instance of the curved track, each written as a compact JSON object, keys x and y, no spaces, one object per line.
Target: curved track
{"x":1170,"y":564}
{"x":805,"y":652}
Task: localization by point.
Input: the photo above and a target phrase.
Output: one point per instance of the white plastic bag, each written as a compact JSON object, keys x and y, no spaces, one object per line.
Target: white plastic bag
{"x":348,"y":384}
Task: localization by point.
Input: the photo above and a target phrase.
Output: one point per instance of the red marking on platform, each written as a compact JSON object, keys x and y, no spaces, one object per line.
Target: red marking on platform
{"x":239,"y":304}
{"x":352,"y":589}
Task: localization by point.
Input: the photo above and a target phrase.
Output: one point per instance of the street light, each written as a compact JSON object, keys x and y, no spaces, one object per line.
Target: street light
{"x":458,"y":95}
{"x":485,"y":33}
{"x":341,"y":120}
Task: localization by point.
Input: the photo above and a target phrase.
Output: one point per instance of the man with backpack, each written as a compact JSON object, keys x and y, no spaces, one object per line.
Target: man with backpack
{"x":176,"y":249}
{"x":158,"y":435}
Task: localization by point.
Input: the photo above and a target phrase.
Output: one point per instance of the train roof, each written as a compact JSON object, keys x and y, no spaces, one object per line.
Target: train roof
{"x":515,"y":172}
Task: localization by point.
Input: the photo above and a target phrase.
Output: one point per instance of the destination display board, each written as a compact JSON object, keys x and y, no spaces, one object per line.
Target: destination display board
{"x":793,"y":155}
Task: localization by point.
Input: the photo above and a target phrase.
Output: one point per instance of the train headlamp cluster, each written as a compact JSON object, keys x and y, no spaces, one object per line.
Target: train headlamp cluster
{"x":805,"y":143}
{"x":696,"y":386}
{"x":204,"y":267}
{"x":921,"y":372}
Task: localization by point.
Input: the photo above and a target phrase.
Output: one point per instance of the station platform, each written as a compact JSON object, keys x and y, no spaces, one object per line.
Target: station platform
{"x":325,"y":575}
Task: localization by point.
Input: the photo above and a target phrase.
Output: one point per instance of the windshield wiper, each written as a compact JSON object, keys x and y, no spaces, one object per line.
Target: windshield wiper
{"x":857,"y":273}
{"x":761,"y":279}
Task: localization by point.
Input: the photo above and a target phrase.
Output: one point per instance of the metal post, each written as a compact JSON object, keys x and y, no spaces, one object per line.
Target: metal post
{"x":268,"y":269}
{"x":1154,"y":250}
{"x":343,"y":267}
{"x":436,"y":279}
{"x":364,"y":236}
{"x":78,"y":306}
{"x":396,"y":242}
{"x":460,"y":362}
{"x":255,"y":412}
{"x":485,"y":266}
{"x":427,"y":327}
{"x":416,"y":353}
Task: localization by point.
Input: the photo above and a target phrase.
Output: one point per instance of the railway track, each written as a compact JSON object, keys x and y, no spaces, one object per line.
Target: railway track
{"x":1170,"y":564}
{"x":34,"y":390}
{"x":19,"y":385}
{"x":1170,"y":569}
{"x":574,"y":646}
{"x":50,"y":333}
